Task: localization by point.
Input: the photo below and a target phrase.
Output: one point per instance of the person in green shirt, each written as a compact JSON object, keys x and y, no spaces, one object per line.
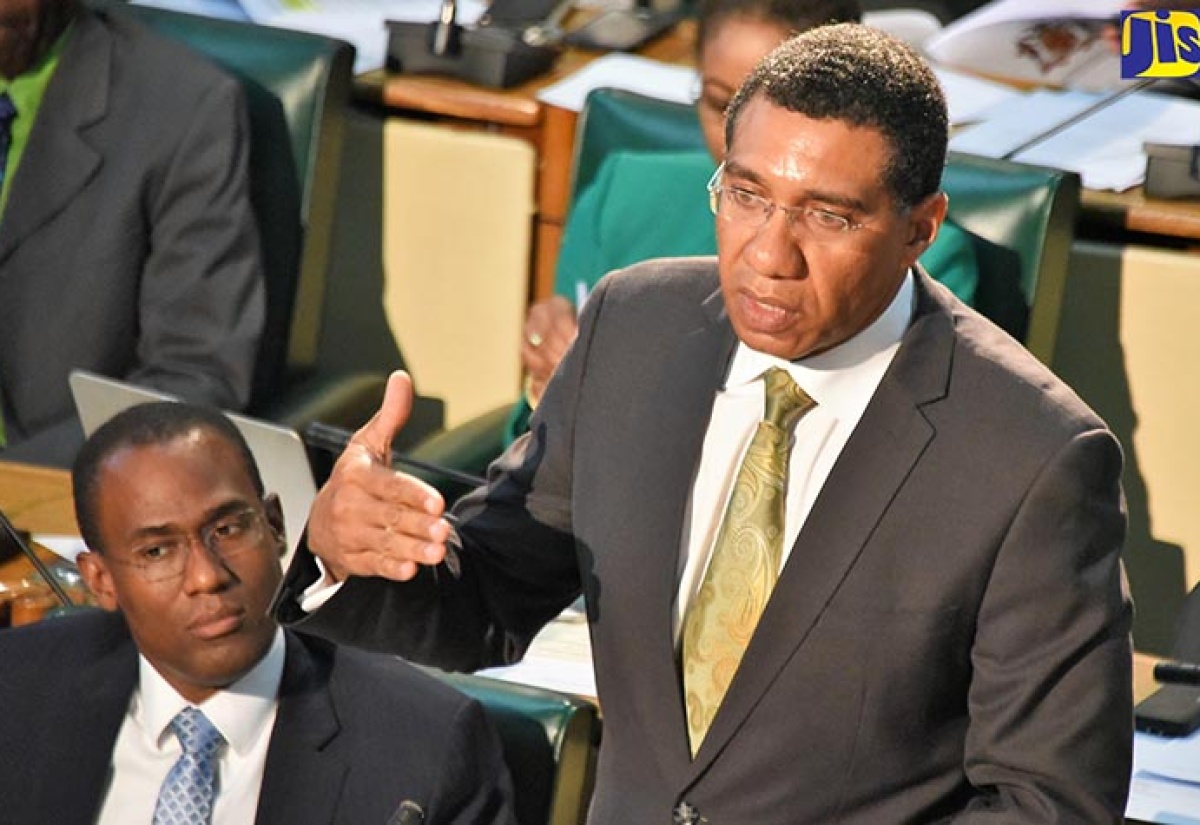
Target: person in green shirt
{"x":645,"y":205}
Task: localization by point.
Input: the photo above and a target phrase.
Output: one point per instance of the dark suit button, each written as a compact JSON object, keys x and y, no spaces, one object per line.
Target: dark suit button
{"x":686,"y":813}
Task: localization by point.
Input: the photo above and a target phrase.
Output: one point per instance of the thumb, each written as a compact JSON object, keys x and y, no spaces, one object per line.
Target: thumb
{"x":377,"y":434}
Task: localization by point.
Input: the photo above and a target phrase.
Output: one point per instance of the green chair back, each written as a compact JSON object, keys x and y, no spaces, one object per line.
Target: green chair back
{"x":297,"y":86}
{"x":616,"y":120}
{"x":1023,"y":220}
{"x":550,"y":742}
{"x":1022,"y":216}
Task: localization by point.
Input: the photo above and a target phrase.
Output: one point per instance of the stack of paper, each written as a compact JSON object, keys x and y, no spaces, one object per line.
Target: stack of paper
{"x":1039,"y":42}
{"x":1105,"y":147}
{"x":652,"y":78}
{"x":1166,"y":779}
{"x":560,"y":658}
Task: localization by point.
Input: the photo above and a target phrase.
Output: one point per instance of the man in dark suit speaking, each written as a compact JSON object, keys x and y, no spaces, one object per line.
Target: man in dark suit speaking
{"x":850,"y":553}
{"x":188,"y":704}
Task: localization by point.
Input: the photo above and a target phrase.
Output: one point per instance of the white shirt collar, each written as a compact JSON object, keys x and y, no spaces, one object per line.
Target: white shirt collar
{"x":838,"y":378}
{"x":240,"y":711}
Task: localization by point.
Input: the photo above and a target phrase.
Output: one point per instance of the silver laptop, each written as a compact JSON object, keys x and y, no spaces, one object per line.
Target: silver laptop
{"x":279,"y":451}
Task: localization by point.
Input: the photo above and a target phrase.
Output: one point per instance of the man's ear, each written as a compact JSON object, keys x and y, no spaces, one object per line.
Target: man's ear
{"x":924,"y":221}
{"x":274,"y":511}
{"x":98,"y":578}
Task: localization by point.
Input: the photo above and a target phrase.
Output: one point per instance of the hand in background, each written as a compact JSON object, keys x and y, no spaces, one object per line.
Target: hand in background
{"x":371,"y":520}
{"x":550,"y":328}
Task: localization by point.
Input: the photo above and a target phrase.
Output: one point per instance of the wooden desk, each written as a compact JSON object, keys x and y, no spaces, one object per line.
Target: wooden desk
{"x":517,"y":112}
{"x":37,"y":500}
{"x":1152,"y":221}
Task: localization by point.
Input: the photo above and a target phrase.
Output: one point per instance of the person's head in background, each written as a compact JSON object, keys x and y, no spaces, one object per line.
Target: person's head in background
{"x":733,"y":35}
{"x":28,"y":28}
{"x":181,"y":540}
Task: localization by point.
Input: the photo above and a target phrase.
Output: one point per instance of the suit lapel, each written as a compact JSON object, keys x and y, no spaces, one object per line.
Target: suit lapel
{"x":885,"y":445}
{"x":667,"y":479}
{"x":91,"y":712}
{"x":303,"y":776}
{"x":58,"y":161}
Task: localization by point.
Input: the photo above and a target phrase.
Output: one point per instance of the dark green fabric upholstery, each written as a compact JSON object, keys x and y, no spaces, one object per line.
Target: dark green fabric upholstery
{"x":614,"y":119}
{"x":550,"y":742}
{"x":297,"y":88}
{"x":1023,"y":216}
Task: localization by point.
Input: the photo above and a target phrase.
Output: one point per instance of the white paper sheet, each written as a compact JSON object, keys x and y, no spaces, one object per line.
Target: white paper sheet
{"x":65,"y":547}
{"x":1166,"y":780}
{"x":560,"y":658}
{"x":224,"y":9}
{"x":1041,"y":42}
{"x":968,"y":97}
{"x":1016,"y":120}
{"x":623,"y":71}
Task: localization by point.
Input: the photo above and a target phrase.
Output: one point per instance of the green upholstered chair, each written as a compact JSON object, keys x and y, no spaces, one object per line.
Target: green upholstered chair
{"x":550,"y":742}
{"x":1023,"y":221}
{"x":297,"y":87}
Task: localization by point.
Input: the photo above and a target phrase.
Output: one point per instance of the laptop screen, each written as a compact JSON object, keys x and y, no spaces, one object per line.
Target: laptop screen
{"x":279,"y":451}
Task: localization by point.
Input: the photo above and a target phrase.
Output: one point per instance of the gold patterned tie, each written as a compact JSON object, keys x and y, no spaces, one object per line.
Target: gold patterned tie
{"x":745,"y":559}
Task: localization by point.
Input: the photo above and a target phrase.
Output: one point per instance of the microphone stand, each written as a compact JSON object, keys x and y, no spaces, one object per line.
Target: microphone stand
{"x":59,"y":592}
{"x":445,"y":39}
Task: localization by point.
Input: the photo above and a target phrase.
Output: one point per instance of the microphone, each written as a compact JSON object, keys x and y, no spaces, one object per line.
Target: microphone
{"x":445,"y":30}
{"x":1177,"y":673}
{"x":11,"y":535}
{"x":409,"y":813}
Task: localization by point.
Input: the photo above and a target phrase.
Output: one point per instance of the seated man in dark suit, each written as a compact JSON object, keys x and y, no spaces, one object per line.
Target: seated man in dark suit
{"x":185,"y":552}
{"x":128,"y":245}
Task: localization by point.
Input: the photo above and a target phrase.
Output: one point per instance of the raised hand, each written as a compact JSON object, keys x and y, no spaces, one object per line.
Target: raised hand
{"x":371,"y":520}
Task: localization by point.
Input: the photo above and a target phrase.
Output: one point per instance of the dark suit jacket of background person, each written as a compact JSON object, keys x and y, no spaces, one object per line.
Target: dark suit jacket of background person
{"x":355,"y":734}
{"x":128,"y":245}
{"x":949,"y":638}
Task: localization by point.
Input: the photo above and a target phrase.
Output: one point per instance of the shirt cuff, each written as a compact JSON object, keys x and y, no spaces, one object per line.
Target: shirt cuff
{"x":320,"y":591}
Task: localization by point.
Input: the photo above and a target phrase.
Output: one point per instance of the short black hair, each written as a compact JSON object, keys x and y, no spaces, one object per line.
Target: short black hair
{"x":142,"y":425}
{"x":864,"y":77}
{"x":794,"y":16}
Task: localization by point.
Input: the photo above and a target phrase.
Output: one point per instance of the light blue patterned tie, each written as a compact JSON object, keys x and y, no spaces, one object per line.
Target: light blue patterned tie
{"x":188,"y":792}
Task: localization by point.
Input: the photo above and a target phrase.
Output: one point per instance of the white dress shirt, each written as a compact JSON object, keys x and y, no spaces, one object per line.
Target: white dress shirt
{"x":147,"y":748}
{"x":841,"y":380}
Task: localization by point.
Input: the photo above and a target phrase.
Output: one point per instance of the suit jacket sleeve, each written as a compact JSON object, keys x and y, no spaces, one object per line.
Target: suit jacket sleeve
{"x":475,"y":787}
{"x":202,"y":300}
{"x":201,"y":296}
{"x":1050,"y":700}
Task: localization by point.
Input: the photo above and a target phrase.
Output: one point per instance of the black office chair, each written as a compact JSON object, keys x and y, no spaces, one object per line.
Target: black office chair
{"x":297,"y":87}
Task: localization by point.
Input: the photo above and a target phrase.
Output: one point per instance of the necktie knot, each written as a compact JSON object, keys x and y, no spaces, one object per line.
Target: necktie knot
{"x":198,"y":736}
{"x":8,"y":111}
{"x":785,"y":401}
